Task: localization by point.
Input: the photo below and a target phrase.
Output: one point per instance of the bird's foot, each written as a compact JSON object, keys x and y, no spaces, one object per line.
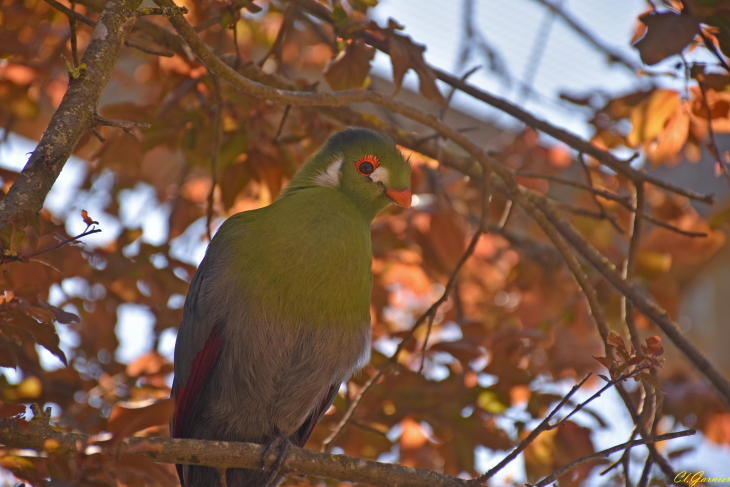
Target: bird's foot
{"x":280,"y":444}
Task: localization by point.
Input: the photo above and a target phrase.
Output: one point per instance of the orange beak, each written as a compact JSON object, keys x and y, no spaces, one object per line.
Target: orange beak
{"x":402,"y":197}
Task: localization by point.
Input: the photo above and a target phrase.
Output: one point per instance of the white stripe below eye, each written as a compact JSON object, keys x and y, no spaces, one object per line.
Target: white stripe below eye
{"x":380,"y":175}
{"x":331,"y":177}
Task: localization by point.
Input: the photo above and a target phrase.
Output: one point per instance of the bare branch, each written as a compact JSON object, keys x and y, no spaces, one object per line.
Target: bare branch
{"x":613,"y":56}
{"x":281,"y":123}
{"x":607,"y":215}
{"x":712,"y":145}
{"x":215,"y":149}
{"x":72,"y":25}
{"x":609,"y":451}
{"x":223,"y":455}
{"x":100,"y":121}
{"x":711,"y":47}
{"x":63,"y":242}
{"x":646,"y":473}
{"x":148,"y":49}
{"x":622,"y":200}
{"x":543,"y":426}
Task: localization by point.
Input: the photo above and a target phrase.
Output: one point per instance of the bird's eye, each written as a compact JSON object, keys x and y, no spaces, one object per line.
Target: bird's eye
{"x":367,"y":165}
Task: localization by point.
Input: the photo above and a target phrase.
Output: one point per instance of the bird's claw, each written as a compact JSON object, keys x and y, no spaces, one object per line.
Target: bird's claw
{"x":279,"y":443}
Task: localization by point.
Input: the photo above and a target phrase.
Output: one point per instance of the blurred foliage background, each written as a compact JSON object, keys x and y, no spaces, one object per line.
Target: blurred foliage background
{"x":516,"y":330}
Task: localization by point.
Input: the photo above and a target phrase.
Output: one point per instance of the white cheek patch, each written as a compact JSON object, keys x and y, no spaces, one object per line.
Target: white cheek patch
{"x":380,"y":175}
{"x":331,"y":177}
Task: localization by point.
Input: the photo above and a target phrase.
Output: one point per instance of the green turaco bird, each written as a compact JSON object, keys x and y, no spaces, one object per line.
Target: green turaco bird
{"x":278,"y":313}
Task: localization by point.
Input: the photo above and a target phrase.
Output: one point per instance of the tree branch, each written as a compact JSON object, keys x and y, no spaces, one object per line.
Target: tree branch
{"x":223,"y":455}
{"x":215,"y":149}
{"x":622,"y":200}
{"x":609,"y":451}
{"x":613,"y":56}
{"x":543,"y":426}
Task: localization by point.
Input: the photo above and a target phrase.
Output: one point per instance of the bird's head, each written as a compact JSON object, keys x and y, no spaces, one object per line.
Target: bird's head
{"x":364,"y":165}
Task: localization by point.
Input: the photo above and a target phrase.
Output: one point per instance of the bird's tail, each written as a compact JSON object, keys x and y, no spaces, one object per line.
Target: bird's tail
{"x":199,"y":476}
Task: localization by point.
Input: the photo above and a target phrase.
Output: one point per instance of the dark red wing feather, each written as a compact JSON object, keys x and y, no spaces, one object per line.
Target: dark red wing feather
{"x":187,"y":393}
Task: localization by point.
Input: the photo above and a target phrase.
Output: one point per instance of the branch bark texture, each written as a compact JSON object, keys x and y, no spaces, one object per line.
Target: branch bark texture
{"x":223,"y":455}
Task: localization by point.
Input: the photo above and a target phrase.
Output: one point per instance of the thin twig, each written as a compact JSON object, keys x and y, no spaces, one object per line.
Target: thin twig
{"x":609,"y":451}
{"x":711,"y":46}
{"x":604,"y":157}
{"x":61,"y":243}
{"x":222,"y":477}
{"x":627,"y":309}
{"x":76,"y":16}
{"x":210,"y":22}
{"x":611,"y":218}
{"x":125,"y":126}
{"x":98,"y":135}
{"x":71,"y":13}
{"x":624,"y":455}
{"x":576,"y":184}
{"x":613,"y":56}
{"x":712,"y":145}
{"x":424,"y":348}
{"x":215,"y":149}
{"x":148,"y":49}
{"x":281,"y":123}
{"x":279,"y":41}
{"x":72,"y":25}
{"x":528,"y":440}
{"x":506,"y":213}
{"x":234,"y":28}
{"x":580,"y":406}
{"x":646,"y":473}
{"x":622,"y":200}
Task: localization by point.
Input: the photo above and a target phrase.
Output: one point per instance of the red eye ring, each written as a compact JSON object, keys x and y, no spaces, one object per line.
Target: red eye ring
{"x":367,"y":165}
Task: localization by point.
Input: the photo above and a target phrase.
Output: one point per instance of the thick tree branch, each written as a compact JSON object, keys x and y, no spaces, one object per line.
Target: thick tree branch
{"x":74,"y":116}
{"x":224,"y":455}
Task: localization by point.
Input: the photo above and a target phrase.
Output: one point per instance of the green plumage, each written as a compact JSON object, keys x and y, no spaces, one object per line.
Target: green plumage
{"x":303,"y":265}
